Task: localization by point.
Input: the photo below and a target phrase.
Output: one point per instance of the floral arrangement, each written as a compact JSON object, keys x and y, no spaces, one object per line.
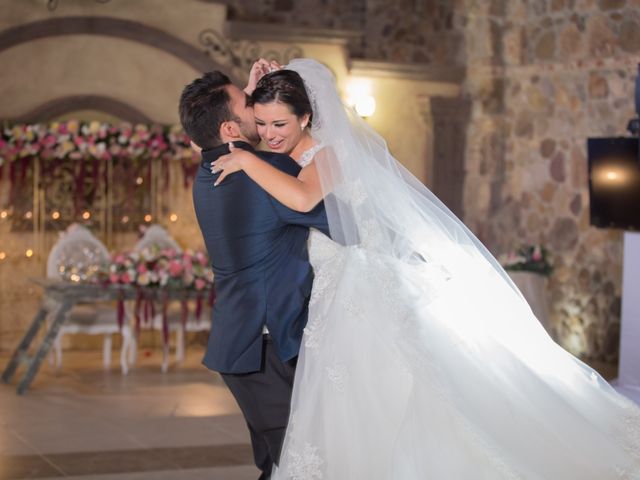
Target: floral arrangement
{"x":77,"y":162}
{"x":102,"y":141}
{"x":155,"y":267}
{"x":532,"y":258}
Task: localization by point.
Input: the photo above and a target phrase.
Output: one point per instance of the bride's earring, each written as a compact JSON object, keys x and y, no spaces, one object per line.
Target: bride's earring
{"x":302,"y":126}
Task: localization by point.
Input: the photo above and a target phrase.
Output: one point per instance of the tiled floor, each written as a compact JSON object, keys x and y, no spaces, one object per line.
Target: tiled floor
{"x":88,"y":424}
{"x":85,"y":423}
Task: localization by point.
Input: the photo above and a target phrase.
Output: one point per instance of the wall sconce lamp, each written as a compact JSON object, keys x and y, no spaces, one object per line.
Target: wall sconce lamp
{"x":359,"y":97}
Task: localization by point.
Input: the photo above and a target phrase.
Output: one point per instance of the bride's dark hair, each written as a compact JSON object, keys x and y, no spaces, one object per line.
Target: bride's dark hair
{"x":287,"y":87}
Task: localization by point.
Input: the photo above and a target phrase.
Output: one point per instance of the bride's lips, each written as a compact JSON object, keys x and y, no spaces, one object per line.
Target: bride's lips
{"x":273,"y":145}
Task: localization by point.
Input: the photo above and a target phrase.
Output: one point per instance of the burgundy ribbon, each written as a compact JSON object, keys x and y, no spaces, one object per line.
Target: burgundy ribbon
{"x":12,"y":181}
{"x":96,"y":178}
{"x":198,"y":311}
{"x":166,"y":166}
{"x":184,"y":312}
{"x":136,"y":312}
{"x":79,"y":194}
{"x":165,"y":320}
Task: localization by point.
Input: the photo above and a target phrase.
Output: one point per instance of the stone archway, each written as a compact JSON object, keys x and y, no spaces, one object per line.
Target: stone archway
{"x":110,"y":27}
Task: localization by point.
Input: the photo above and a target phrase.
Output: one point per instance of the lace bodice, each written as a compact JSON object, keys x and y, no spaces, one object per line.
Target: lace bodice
{"x":321,"y":247}
{"x":307,"y":156}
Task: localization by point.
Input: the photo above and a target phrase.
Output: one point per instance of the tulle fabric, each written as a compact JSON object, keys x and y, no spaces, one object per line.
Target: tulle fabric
{"x":421,"y":360}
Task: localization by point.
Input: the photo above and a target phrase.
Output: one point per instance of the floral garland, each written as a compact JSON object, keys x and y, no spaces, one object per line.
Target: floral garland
{"x":155,"y":267}
{"x":101,"y":141}
{"x":82,"y":158}
{"x":531,"y":258}
{"x":73,"y":141}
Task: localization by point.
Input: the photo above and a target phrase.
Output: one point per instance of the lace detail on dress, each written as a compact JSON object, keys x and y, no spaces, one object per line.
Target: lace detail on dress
{"x":338,"y":375}
{"x":327,"y":258}
{"x":307,"y":156}
{"x":305,"y":465}
{"x":313,"y":333}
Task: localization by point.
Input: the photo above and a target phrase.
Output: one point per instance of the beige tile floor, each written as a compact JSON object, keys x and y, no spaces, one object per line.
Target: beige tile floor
{"x":85,"y":423}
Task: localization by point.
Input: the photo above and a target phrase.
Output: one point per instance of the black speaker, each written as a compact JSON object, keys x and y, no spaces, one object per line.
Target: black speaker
{"x":614,"y":182}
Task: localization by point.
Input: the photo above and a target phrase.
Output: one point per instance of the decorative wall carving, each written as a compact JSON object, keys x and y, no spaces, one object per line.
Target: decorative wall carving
{"x":239,"y":55}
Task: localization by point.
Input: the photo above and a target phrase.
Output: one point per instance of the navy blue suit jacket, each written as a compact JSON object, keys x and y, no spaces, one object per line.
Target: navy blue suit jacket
{"x":258,"y":250}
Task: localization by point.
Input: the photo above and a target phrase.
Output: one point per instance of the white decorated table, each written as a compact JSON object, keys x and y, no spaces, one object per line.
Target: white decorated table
{"x":58,"y":299}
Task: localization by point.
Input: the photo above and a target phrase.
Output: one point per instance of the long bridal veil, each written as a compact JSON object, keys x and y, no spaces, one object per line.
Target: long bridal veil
{"x":478,"y":390}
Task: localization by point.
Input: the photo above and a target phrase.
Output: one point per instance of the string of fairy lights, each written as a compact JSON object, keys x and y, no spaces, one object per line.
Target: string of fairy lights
{"x":30,"y":251}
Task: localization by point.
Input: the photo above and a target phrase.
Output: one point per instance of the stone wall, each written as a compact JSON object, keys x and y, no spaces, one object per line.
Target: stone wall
{"x":404,"y":31}
{"x":561,"y":71}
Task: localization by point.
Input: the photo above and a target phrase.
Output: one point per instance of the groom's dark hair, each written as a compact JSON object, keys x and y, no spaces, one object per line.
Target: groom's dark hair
{"x":204,"y":106}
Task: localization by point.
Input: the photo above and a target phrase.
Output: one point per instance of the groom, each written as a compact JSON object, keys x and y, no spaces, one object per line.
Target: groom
{"x":258,"y":249}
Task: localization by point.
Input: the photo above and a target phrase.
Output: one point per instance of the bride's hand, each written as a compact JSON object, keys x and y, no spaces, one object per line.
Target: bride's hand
{"x":258,"y":70}
{"x":229,"y":163}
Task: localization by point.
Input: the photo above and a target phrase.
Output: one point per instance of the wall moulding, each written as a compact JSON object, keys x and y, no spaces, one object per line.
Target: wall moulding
{"x":427,"y":73}
{"x":110,"y":27}
{"x":289,"y":34}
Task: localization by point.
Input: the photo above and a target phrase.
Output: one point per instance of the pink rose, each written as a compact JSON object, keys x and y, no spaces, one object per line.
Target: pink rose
{"x":125,"y":278}
{"x":200,"y":284}
{"x":142,"y":268}
{"x":175,"y":268}
{"x":113,"y":278}
{"x":202,"y":258}
{"x":169,"y":252}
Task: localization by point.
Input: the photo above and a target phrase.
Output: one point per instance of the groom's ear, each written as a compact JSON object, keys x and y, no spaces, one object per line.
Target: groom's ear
{"x":229,"y":129}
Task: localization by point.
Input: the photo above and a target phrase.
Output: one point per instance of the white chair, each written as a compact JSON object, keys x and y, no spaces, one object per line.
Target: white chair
{"x":156,"y":236}
{"x":75,"y":255}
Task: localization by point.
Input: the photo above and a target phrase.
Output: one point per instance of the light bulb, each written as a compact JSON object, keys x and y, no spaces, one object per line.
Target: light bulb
{"x":366,"y":106}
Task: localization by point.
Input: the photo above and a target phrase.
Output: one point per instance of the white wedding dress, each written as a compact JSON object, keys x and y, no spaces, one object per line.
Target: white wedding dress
{"x":420,"y":360}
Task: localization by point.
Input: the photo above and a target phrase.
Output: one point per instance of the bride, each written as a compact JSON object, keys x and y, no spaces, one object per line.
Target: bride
{"x":420,"y":360}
